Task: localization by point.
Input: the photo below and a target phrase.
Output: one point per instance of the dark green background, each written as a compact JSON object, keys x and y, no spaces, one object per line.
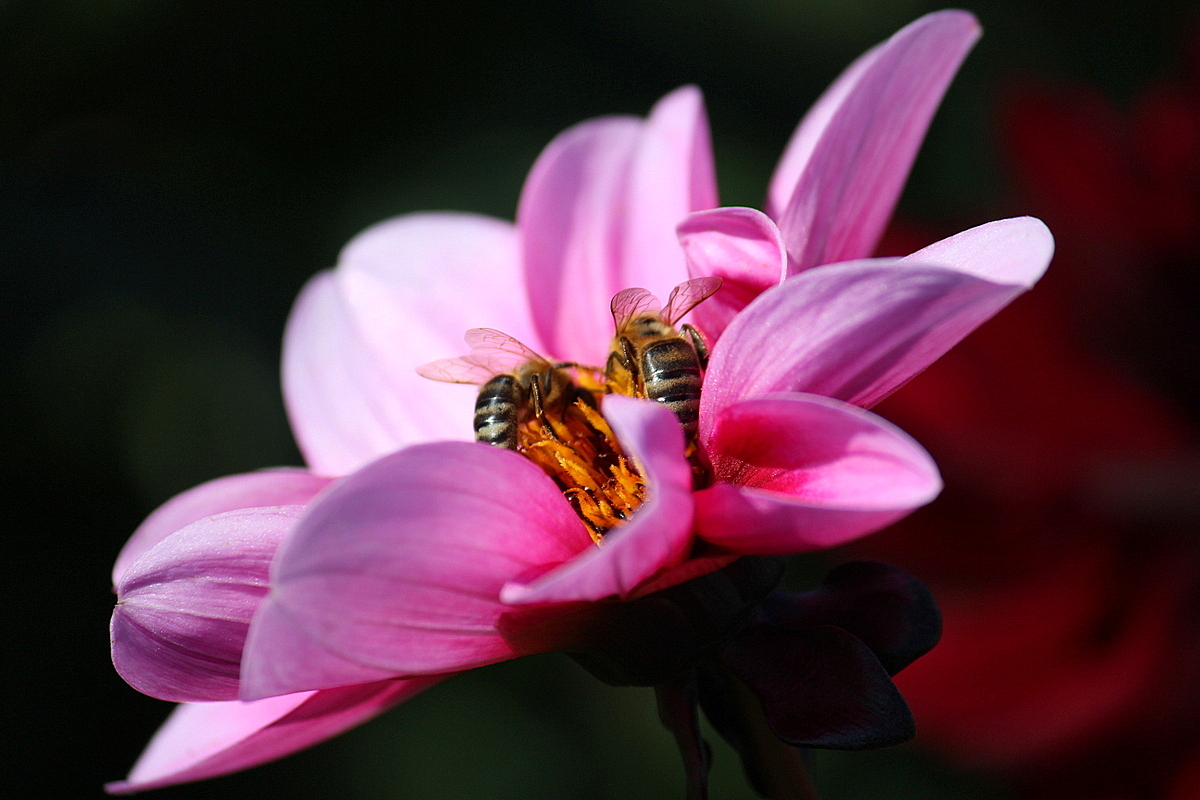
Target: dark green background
{"x":172,"y":172}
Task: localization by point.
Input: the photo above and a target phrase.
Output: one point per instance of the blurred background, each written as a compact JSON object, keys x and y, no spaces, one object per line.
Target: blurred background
{"x":172,"y":172}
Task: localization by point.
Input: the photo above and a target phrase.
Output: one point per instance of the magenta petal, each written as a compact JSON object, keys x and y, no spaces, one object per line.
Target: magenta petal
{"x":862,"y":148}
{"x":659,"y":534}
{"x":204,"y":740}
{"x":741,"y":246}
{"x":801,"y":472}
{"x":184,"y":607}
{"x":672,"y":174}
{"x":571,"y":219}
{"x":273,"y":487}
{"x":397,"y":570}
{"x":857,"y":331}
{"x":404,"y":292}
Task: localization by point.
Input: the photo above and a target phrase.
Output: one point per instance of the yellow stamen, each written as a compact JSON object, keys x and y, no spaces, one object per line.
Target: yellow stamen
{"x":576,"y":447}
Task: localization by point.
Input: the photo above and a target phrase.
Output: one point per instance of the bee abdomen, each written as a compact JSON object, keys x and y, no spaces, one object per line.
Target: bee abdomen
{"x":671,"y":376}
{"x":496,"y":412}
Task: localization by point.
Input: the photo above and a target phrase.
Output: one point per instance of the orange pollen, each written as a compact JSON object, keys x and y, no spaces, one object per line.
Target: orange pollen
{"x":575,"y":446}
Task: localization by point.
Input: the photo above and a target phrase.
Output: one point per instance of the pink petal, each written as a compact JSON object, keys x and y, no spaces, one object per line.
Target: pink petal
{"x":184,"y":607}
{"x":598,"y":214}
{"x":571,"y":222}
{"x":404,"y":293}
{"x":672,"y":174}
{"x":1013,"y":251}
{"x":656,"y":538}
{"x":274,"y":487}
{"x":740,"y":245}
{"x":857,"y":331}
{"x":204,"y":740}
{"x":398,"y":569}
{"x":801,"y":472}
{"x":808,"y":133}
{"x":863,"y":138}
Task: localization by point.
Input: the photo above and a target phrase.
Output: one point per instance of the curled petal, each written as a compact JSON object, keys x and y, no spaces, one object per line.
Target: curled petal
{"x":740,"y":245}
{"x":860,"y":143}
{"x":802,"y":472}
{"x":859,"y":330}
{"x":570,"y":218}
{"x":273,"y":487}
{"x":356,"y":335}
{"x":672,"y":174}
{"x":397,"y":570}
{"x":658,"y":535}
{"x":183,"y":607}
{"x":204,"y":740}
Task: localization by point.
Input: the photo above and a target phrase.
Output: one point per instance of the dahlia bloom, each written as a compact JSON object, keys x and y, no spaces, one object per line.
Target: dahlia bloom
{"x":406,"y":553}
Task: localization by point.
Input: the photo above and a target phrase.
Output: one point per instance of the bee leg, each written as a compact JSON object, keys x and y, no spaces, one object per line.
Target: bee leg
{"x":539,"y":409}
{"x":629,"y":360}
{"x":629,"y":354}
{"x":698,"y":344}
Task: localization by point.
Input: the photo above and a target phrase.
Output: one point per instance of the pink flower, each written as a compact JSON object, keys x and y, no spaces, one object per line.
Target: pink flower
{"x":432,"y":556}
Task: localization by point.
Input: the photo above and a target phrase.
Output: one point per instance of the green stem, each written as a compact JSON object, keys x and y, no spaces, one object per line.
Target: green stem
{"x":781,"y":769}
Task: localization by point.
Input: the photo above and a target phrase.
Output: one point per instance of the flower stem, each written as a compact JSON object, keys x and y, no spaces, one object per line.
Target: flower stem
{"x":678,"y":712}
{"x":777,"y":770}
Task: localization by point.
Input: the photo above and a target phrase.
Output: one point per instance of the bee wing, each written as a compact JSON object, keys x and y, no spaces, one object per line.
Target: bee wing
{"x":492,"y":353}
{"x":688,"y":295}
{"x":457,"y":370}
{"x":499,"y":351}
{"x":628,"y":304}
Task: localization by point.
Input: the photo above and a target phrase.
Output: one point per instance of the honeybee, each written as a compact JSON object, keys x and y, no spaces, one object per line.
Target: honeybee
{"x":650,"y":358}
{"x":517,"y":385}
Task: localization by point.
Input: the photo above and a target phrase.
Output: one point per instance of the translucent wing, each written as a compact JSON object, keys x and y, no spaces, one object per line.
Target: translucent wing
{"x":688,"y":295}
{"x":492,"y":353}
{"x":499,"y":350}
{"x":629,"y":304}
{"x":457,"y":370}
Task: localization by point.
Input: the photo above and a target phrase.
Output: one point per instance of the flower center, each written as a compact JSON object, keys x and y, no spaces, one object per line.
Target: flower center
{"x":575,"y":446}
{"x":549,"y":412}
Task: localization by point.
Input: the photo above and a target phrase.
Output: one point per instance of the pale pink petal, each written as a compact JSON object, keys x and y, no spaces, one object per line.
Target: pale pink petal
{"x":403,"y":294}
{"x":656,"y":538}
{"x":740,"y":245}
{"x":184,"y":607}
{"x":672,"y":174}
{"x":857,"y":331}
{"x":1013,"y":251}
{"x":338,"y":398}
{"x":204,"y":740}
{"x":862,"y":142}
{"x":398,"y":569}
{"x":572,"y":220}
{"x":799,"y":472}
{"x":271,"y":487}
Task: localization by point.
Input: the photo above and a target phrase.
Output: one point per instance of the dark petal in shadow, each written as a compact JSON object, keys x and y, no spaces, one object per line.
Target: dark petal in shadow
{"x":889,"y":610}
{"x":819,"y":687}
